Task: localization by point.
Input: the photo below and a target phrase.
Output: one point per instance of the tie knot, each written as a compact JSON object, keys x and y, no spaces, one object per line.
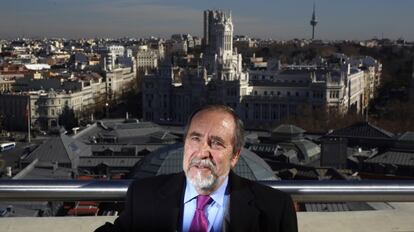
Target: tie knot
{"x":202,"y":201}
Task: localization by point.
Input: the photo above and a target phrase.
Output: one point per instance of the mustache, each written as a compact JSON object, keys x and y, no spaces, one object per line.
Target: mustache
{"x":204,"y":163}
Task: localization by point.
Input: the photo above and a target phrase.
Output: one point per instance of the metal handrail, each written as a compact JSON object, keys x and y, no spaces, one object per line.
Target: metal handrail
{"x":115,"y":190}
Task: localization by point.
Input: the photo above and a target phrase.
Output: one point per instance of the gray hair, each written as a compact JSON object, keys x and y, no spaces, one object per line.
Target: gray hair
{"x":238,"y":138}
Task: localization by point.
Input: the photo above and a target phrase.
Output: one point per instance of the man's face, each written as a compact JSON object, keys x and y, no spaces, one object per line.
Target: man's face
{"x":208,"y":149}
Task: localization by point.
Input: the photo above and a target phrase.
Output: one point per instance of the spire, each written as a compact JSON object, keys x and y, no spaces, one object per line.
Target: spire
{"x":313,"y":22}
{"x":313,"y":14}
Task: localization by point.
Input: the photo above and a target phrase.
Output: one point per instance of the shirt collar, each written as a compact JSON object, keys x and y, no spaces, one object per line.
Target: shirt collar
{"x":217,"y":196}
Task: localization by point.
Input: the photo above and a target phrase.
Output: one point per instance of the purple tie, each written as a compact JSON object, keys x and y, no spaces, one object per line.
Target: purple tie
{"x":200,"y":222}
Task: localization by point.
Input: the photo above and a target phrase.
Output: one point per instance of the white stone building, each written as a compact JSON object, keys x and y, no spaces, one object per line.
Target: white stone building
{"x":110,"y":55}
{"x":262,"y":96}
{"x":119,"y":70}
{"x":147,"y":58}
{"x":220,"y":79}
{"x":119,"y":81}
{"x":47,"y":106}
{"x":176,"y":46}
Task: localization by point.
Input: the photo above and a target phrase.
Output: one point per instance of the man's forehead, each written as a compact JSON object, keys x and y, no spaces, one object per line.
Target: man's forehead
{"x":224,"y":119}
{"x":215,"y":114}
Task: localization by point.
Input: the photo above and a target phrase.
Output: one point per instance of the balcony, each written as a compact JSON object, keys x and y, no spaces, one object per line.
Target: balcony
{"x":398,"y":218}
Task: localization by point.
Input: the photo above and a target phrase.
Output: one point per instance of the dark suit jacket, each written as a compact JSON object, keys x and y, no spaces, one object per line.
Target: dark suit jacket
{"x":155,"y":204}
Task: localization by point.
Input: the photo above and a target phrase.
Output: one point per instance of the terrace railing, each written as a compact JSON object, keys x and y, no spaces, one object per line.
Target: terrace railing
{"x":301,"y":191}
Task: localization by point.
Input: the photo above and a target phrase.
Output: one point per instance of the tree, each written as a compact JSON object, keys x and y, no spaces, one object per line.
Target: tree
{"x":68,"y":119}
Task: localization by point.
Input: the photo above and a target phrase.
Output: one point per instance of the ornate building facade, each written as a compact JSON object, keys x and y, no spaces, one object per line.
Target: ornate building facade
{"x":262,"y":96}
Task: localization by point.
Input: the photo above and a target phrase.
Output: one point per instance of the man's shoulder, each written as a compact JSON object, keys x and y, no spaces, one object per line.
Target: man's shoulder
{"x":265,"y":193}
{"x":276,"y":208}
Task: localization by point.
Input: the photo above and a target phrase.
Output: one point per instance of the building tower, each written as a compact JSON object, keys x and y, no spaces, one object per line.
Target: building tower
{"x":313,"y":22}
{"x":218,"y":32}
{"x":207,"y":21}
{"x":219,"y":57}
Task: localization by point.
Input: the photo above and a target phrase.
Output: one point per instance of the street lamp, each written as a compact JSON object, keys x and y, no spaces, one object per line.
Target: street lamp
{"x":107,"y":109}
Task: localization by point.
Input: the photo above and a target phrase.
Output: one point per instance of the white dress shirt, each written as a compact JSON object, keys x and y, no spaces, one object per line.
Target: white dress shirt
{"x":214,"y":211}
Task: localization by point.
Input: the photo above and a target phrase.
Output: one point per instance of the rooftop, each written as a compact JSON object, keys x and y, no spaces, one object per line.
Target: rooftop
{"x":126,"y":132}
{"x":394,"y":158}
{"x":288,"y":129}
{"x":407,"y":136}
{"x":60,"y":149}
{"x":362,"y":129}
{"x":114,"y":161}
{"x":168,"y":159}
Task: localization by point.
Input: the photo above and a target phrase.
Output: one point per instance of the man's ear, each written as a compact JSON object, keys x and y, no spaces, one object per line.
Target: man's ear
{"x":235,"y":158}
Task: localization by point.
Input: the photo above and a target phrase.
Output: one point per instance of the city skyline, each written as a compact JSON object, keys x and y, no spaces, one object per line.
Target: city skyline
{"x":280,"y":20}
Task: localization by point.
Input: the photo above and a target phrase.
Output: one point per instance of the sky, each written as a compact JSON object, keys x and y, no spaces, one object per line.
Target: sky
{"x":275,"y":19}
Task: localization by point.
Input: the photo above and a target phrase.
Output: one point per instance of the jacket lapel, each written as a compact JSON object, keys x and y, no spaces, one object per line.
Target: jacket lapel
{"x":168,"y":207}
{"x":244,"y":214}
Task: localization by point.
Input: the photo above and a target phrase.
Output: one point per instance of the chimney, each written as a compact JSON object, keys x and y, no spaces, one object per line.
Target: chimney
{"x":9,"y":171}
{"x":55,"y":165}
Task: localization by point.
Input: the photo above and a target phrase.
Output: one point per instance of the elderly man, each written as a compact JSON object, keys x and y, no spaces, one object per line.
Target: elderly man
{"x":208,"y":196}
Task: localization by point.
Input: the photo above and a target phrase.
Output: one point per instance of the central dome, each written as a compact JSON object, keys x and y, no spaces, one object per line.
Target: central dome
{"x":169,"y":159}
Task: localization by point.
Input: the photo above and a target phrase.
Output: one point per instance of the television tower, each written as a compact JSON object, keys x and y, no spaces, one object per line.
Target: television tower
{"x":313,"y":22}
